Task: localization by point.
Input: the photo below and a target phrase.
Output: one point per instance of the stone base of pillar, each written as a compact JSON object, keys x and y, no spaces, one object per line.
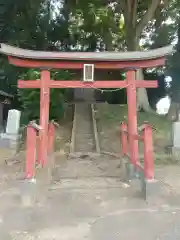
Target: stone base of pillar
{"x":150,"y":190}
{"x":130,"y":172}
{"x":28,"y":192}
{"x":9,"y":141}
{"x":176,"y":153}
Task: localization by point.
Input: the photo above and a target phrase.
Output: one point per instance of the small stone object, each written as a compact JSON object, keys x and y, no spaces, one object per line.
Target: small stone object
{"x":13,"y":122}
{"x":176,"y":140}
{"x":10,"y":138}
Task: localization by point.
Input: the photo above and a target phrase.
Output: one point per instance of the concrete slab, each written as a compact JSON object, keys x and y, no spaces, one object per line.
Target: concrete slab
{"x":92,"y":214}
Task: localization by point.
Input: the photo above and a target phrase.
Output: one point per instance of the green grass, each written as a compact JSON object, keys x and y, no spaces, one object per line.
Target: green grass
{"x":115,"y":114}
{"x":110,"y":117}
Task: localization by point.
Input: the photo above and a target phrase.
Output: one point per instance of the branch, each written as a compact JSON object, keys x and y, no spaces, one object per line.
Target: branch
{"x":129,"y":6}
{"x":134,"y":15}
{"x":121,"y":3}
{"x":126,"y":9}
{"x":166,"y":2}
{"x":147,"y":16}
{"x":120,"y":6}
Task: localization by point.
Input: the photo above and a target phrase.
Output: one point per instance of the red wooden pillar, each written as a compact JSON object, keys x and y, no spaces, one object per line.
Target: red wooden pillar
{"x":51,"y":138}
{"x":132,"y":115}
{"x":124,"y":138}
{"x":148,"y":153}
{"x":30,"y":152}
{"x":44,"y":116}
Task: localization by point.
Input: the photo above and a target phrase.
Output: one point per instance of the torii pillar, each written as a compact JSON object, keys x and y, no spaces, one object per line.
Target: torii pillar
{"x":44,"y":116}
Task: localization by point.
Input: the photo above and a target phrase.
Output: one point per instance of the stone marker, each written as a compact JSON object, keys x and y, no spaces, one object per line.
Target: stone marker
{"x":11,"y":136}
{"x":1,"y":118}
{"x":13,"y":122}
{"x":176,"y":134}
{"x":176,"y":140}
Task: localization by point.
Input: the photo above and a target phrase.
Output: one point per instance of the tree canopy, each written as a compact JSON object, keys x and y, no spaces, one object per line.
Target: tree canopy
{"x":93,"y":25}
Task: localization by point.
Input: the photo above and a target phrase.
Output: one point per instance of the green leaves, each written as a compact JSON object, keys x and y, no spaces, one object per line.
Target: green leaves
{"x":174,"y":69}
{"x":94,"y":25}
{"x":83,"y":25}
{"x":30,"y":98}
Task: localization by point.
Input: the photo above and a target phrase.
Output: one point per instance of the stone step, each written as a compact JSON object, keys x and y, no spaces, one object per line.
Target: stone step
{"x":84,"y":139}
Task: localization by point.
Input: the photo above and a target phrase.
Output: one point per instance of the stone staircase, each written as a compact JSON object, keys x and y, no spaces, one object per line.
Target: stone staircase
{"x":84,"y":136}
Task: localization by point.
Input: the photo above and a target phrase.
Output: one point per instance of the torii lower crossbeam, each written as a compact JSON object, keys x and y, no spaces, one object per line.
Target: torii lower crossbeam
{"x":45,"y":83}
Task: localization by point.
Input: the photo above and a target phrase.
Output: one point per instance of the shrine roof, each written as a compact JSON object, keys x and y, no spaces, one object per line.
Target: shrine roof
{"x":85,"y":56}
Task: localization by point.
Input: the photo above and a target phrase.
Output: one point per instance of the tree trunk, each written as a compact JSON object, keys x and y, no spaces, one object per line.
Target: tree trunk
{"x":173,"y":112}
{"x":133,"y":31}
{"x":142,"y":97}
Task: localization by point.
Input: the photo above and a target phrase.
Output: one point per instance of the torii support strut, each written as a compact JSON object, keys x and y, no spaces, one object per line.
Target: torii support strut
{"x":45,"y":83}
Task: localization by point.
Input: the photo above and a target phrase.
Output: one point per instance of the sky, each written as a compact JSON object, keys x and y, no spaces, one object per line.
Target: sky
{"x":163,"y":105}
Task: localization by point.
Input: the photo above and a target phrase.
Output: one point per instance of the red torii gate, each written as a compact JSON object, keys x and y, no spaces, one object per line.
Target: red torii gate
{"x":45,"y":61}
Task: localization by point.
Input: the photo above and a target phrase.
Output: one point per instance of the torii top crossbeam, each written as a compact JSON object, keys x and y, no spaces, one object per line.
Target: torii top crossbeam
{"x":76,"y":60}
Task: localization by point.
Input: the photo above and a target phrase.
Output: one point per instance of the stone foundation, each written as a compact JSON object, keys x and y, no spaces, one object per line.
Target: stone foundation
{"x":149,"y":188}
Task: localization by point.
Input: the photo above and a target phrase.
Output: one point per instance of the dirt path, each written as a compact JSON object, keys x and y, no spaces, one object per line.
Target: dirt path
{"x":86,"y":199}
